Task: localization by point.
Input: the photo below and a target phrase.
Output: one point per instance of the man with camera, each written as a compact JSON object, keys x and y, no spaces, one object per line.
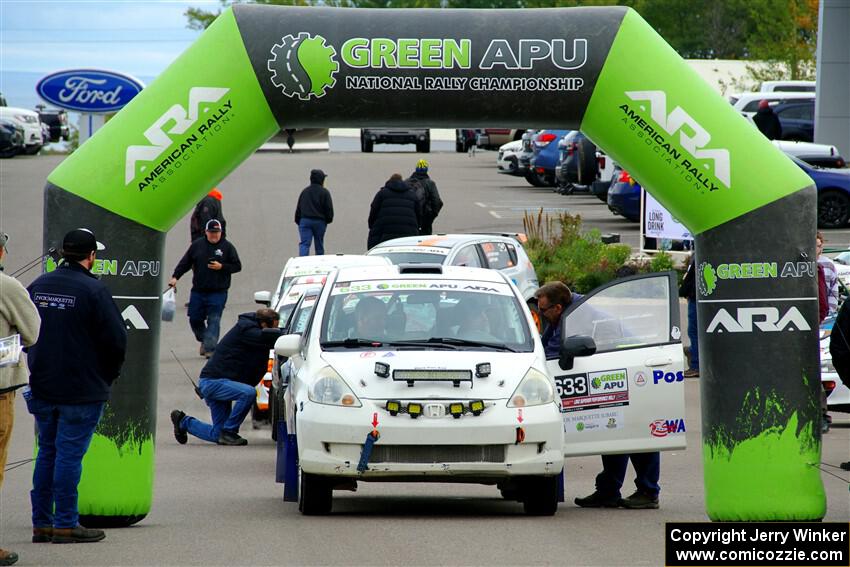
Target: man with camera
{"x":212,"y":260}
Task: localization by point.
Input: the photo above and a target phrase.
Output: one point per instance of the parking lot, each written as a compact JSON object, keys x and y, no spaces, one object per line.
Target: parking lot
{"x":216,"y":505}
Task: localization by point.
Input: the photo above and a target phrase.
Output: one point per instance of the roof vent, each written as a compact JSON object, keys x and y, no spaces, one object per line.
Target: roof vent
{"x":422,"y":268}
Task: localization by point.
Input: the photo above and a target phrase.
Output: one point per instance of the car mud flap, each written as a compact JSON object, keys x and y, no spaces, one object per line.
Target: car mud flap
{"x":371,"y":438}
{"x":561,"y":485}
{"x":290,"y":486}
{"x":280,"y":463}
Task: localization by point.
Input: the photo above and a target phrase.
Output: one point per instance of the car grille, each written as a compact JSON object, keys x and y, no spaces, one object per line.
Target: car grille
{"x":437,"y":454}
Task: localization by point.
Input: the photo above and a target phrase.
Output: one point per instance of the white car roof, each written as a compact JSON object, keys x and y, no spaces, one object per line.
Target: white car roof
{"x":392,"y":273}
{"x":442,"y":240}
{"x":743,"y":99}
{"x":805,"y":148}
{"x":311,"y":265}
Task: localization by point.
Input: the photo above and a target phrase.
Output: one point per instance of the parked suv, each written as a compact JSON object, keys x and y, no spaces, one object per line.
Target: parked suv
{"x":57,"y":120}
{"x":371,"y":136}
{"x":493,"y":138}
{"x":26,"y":119}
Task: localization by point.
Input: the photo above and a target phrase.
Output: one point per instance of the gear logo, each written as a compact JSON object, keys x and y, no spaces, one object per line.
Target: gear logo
{"x":303,"y":66}
{"x":707,"y":279}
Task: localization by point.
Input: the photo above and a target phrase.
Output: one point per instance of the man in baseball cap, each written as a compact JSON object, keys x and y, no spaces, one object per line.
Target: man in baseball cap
{"x":78,"y":355}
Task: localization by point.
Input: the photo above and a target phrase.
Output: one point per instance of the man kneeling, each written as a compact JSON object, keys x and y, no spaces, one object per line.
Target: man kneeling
{"x":231,"y":375}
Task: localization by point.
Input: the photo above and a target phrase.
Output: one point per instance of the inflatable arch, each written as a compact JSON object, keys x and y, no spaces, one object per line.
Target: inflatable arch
{"x":602,"y":70}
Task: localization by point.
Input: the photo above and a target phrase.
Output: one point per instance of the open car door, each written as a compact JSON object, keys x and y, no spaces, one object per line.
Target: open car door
{"x":628,"y":396}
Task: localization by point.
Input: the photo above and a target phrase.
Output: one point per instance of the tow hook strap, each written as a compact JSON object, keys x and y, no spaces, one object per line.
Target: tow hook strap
{"x":371,"y":437}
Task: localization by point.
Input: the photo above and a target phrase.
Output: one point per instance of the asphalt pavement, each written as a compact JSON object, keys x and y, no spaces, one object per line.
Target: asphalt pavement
{"x":220,"y":505}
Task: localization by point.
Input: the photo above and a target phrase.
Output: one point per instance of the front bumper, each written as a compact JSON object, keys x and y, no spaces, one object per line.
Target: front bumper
{"x":470,"y":448}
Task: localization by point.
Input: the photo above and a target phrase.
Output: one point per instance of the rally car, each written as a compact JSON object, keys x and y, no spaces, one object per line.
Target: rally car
{"x":503,"y":252}
{"x":436,"y":373}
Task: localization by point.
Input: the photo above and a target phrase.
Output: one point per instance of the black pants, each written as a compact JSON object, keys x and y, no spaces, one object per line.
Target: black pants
{"x":427,"y":225}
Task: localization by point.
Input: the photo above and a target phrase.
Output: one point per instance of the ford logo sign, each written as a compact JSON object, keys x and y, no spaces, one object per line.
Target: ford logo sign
{"x":88,"y":90}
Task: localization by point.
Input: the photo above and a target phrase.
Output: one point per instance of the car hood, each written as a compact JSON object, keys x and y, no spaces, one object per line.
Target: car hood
{"x":358,"y":370}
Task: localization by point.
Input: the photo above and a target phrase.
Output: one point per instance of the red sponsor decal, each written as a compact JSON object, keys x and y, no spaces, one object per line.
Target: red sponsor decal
{"x":658,"y":428}
{"x":367,"y":354}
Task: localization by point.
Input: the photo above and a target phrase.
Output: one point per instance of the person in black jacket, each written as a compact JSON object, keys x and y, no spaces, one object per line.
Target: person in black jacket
{"x":429,"y":197}
{"x":77,"y":357}
{"x":839,"y":349}
{"x":212,"y":259}
{"x":231,"y":375}
{"x":688,"y":290}
{"x":767,"y":121}
{"x":315,"y":211}
{"x":395,"y":212}
{"x":207,"y":209}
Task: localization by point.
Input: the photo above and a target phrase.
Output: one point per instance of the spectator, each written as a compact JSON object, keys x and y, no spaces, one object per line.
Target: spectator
{"x":213,"y":260}
{"x":207,"y":209}
{"x":553,"y":299}
{"x":231,"y":375}
{"x":428,"y":196}
{"x":839,"y":349}
{"x":18,"y":316}
{"x":77,"y":357}
{"x":767,"y":121}
{"x":830,"y":276}
{"x":394,"y":213}
{"x":315,"y":211}
{"x":688,"y":289}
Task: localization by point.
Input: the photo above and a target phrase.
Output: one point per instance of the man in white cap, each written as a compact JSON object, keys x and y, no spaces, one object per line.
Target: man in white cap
{"x":77,"y":357}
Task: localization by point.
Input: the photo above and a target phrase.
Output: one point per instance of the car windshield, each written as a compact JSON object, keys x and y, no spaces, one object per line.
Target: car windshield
{"x":412,"y":257}
{"x":425,"y":314}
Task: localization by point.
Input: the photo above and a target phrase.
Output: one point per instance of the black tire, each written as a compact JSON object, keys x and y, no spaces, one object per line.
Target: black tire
{"x":588,"y":167}
{"x":423,"y":147}
{"x":368,"y":146}
{"x":31,"y":151}
{"x":10,"y":153}
{"x":833,"y":208}
{"x":536,"y":179}
{"x":459,"y":147}
{"x":540,"y":495}
{"x":315,"y":495}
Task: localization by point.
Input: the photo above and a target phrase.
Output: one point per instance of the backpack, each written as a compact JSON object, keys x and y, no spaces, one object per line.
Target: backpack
{"x":421,"y":192}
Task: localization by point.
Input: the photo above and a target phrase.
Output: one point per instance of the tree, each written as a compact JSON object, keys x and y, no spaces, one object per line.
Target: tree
{"x":785,"y":34}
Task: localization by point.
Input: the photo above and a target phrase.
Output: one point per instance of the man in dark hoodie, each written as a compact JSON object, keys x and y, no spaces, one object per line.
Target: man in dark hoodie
{"x":212,"y":260}
{"x":207,"y":209}
{"x":78,"y":355}
{"x":395,"y":212}
{"x":315,"y":211}
{"x":231,"y":375}
{"x":767,"y":121}
{"x":428,"y":196}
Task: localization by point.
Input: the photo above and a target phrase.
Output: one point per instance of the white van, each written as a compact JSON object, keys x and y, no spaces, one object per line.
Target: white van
{"x":788,"y":86}
{"x":748,"y":103}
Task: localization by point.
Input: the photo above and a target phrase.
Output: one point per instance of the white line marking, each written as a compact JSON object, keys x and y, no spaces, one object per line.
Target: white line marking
{"x":482,"y":205}
{"x":495,"y":214}
{"x":757,"y":300}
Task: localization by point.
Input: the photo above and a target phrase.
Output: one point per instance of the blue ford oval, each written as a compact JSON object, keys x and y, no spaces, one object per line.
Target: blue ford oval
{"x":89,"y":90}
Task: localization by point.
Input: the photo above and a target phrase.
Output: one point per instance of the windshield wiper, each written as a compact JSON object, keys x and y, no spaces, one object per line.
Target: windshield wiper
{"x":466,"y":342}
{"x":352,"y":343}
{"x":422,"y":343}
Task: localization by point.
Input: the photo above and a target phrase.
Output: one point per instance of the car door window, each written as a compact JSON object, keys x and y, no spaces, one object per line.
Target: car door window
{"x":498,"y":256}
{"x":468,"y":256}
{"x":630,"y":314}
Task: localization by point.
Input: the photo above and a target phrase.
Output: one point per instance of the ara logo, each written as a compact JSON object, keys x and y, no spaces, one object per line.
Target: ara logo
{"x":303,"y":66}
{"x":765,"y":319}
{"x":134,"y":319}
{"x":692,"y":136}
{"x":665,"y":427}
{"x":175,"y":121}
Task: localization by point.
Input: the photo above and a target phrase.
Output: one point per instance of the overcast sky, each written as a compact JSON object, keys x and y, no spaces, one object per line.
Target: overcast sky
{"x":135,"y":37}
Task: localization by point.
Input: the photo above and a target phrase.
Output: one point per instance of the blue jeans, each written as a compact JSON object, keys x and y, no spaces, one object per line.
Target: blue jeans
{"x":647,"y":470}
{"x":219,"y":394}
{"x":693,"y":333}
{"x":64,"y":434}
{"x":311,"y":229}
{"x":205,"y":308}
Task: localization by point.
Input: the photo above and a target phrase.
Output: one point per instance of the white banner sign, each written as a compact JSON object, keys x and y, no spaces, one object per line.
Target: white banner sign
{"x":659,"y":223}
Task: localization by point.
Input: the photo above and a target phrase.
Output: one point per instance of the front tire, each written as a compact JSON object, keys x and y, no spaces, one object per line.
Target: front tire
{"x":833,"y":209}
{"x":536,"y":179}
{"x":315,"y":496}
{"x":423,"y":147}
{"x":540,"y":495}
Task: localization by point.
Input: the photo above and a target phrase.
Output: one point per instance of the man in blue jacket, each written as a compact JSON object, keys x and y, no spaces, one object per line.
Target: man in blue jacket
{"x":231,"y":375}
{"x":78,"y":355}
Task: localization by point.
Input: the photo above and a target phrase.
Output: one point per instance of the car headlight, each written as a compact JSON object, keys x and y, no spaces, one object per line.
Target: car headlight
{"x":535,"y":389}
{"x":329,"y":388}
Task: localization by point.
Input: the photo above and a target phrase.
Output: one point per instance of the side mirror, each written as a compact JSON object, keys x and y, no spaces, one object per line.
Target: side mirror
{"x":263,"y":298}
{"x":287,"y":345}
{"x":571,"y":347}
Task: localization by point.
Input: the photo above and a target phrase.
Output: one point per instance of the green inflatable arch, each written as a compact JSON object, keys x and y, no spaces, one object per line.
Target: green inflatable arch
{"x":602,"y":70}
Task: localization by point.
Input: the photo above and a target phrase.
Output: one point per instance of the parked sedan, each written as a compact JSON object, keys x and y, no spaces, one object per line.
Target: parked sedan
{"x":797,"y":119}
{"x":545,"y":160}
{"x":833,"y":193}
{"x":624,"y":197}
{"x":508,"y":160}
